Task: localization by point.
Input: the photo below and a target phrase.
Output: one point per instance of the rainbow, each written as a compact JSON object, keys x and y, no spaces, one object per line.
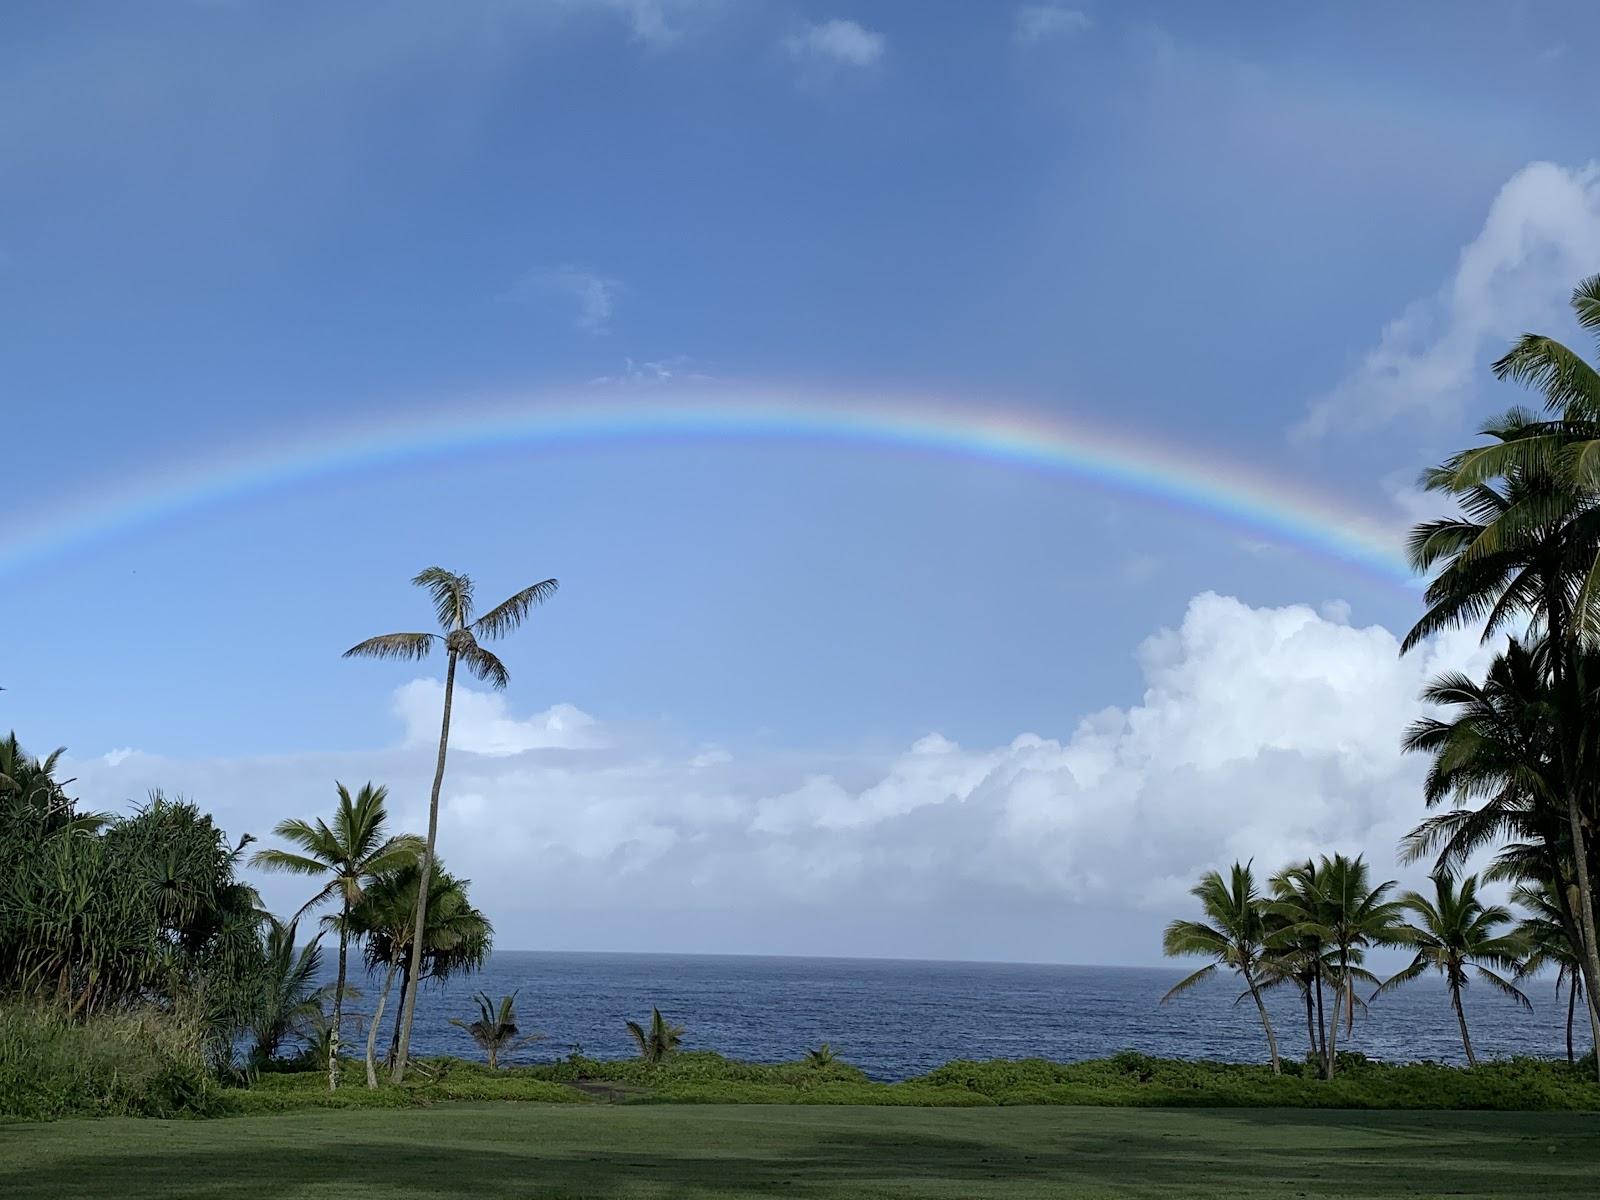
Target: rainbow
{"x":1270,"y":508}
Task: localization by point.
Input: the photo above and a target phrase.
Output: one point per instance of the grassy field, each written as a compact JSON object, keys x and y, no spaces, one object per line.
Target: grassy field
{"x":529,"y":1150}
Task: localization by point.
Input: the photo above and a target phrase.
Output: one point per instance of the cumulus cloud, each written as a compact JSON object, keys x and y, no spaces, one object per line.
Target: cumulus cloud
{"x":480,"y":724}
{"x":592,"y":296}
{"x":1265,"y":733}
{"x":1042,"y":22}
{"x":1542,"y":234}
{"x":655,"y":23}
{"x":837,"y":41}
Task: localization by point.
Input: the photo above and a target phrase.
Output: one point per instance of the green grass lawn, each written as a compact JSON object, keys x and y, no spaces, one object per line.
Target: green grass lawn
{"x":530,"y":1150}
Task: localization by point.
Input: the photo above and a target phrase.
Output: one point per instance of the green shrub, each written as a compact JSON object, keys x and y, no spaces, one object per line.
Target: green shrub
{"x":145,"y":1063}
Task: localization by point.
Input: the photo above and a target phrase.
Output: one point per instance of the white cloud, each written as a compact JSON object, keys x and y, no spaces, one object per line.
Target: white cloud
{"x":480,"y":724}
{"x":1040,"y":22}
{"x":1269,"y":733}
{"x":1542,"y":235}
{"x":654,"y":23}
{"x":593,"y":296}
{"x":837,"y":41}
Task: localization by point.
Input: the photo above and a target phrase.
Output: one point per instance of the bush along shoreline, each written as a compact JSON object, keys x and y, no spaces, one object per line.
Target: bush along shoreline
{"x":94,"y":1070}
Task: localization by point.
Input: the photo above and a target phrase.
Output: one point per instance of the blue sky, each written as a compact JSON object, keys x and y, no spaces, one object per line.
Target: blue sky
{"x":1284,"y":237}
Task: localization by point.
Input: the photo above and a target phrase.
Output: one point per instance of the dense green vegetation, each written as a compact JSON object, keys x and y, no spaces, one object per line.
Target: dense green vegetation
{"x":520,"y":1151}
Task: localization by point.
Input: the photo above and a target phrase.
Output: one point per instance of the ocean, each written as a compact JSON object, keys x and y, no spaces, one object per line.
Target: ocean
{"x":894,"y":1019}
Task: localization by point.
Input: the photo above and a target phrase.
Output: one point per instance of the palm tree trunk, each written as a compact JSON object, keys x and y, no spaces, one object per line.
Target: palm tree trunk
{"x":1594,"y":1032}
{"x":1322,"y":1022}
{"x":1588,"y":954}
{"x":1572,"y":1006}
{"x":394,"y":1038}
{"x":1266,"y":1023}
{"x":1461,"y":1019}
{"x":408,"y":1006}
{"x":1311,"y":1022}
{"x":372,"y":1032}
{"x":338,"y":1000}
{"x":1332,"y":1058}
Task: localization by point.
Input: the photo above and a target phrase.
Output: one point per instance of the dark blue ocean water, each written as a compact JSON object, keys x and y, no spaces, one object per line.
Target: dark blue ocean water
{"x":897,"y":1018}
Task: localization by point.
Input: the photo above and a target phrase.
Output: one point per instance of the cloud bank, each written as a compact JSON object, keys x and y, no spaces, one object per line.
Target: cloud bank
{"x":1269,"y":733}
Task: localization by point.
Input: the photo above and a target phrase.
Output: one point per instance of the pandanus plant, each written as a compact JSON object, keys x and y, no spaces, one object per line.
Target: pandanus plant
{"x":452,"y":603}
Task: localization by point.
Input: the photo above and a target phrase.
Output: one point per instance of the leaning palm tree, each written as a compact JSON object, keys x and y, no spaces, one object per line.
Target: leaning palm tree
{"x":452,"y":603}
{"x":1453,"y":932}
{"x":496,"y":1027}
{"x":350,"y":852}
{"x":1234,"y":935}
{"x":659,"y":1040}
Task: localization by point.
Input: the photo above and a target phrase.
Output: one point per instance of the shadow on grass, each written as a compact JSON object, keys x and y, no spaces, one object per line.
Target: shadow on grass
{"x":1047,"y":1152}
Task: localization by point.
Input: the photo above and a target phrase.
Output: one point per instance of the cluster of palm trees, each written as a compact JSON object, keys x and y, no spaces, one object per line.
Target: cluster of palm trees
{"x":1515,"y":756}
{"x":374,"y":879}
{"x":1313,"y":925}
{"x":393,"y":893}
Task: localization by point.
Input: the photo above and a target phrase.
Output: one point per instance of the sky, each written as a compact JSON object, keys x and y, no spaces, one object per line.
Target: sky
{"x":796,"y":694}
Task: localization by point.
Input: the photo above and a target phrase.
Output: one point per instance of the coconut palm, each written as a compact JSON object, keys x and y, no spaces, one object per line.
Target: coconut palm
{"x":453,"y":607}
{"x":1503,"y":752}
{"x":1234,"y":935}
{"x":1350,"y":916}
{"x":350,"y":852}
{"x":456,"y":940}
{"x":1297,"y":954}
{"x":1550,"y":939}
{"x":1530,"y":544}
{"x":496,"y":1027}
{"x":659,"y":1040}
{"x":1454,"y":932}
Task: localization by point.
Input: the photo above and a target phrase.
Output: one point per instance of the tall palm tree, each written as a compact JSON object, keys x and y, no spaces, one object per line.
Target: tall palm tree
{"x":1298,"y":954}
{"x":1454,"y":931}
{"x":1551,"y":939}
{"x":452,"y":603}
{"x":1233,"y":935}
{"x":658,"y":1041}
{"x":456,"y":939}
{"x":1503,"y":753}
{"x":1538,"y":550}
{"x":1351,"y":917}
{"x":348,"y":853}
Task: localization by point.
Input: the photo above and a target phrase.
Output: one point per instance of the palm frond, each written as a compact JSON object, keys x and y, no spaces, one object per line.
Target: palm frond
{"x":394,"y":645}
{"x":485,"y":666}
{"x":509,"y":614}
